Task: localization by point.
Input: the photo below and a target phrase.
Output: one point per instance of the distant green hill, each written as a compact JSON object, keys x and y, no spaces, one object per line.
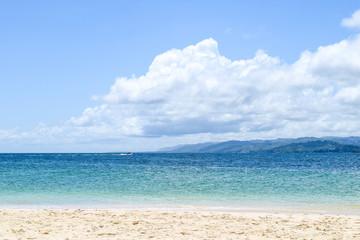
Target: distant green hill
{"x":316,"y":146}
{"x":308,"y":144}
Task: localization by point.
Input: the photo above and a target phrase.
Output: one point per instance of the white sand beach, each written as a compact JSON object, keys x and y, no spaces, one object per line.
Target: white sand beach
{"x":158,"y":224}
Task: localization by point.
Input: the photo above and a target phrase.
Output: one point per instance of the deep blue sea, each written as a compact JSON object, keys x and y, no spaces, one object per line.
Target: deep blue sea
{"x":291,"y":181}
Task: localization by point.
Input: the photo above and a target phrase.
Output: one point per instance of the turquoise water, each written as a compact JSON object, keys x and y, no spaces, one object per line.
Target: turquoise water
{"x":320,"y":180}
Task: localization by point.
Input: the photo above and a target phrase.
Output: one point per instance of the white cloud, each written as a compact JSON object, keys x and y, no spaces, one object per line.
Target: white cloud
{"x":196,"y":94}
{"x":196,"y":90}
{"x":353,"y":22}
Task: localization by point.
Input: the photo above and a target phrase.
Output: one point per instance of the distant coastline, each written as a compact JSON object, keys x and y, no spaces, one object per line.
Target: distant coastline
{"x":280,"y":145}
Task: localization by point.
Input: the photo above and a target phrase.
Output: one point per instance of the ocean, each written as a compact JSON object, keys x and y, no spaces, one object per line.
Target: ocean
{"x":301,"y":181}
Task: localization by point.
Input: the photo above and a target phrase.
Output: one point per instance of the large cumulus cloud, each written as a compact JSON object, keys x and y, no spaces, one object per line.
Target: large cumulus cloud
{"x":197,"y":90}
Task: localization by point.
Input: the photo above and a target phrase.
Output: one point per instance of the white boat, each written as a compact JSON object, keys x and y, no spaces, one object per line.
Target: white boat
{"x":126,"y":154}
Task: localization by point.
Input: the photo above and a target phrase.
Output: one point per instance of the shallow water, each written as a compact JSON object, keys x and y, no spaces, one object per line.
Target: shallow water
{"x":301,"y":181}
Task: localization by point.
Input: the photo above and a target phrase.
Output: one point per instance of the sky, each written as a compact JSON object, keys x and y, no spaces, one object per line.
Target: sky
{"x":103,"y":76}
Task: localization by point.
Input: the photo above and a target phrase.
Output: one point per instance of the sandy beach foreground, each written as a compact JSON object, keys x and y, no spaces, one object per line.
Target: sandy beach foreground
{"x":142,"y":224}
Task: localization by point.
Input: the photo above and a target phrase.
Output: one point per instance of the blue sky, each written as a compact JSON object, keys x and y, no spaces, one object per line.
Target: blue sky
{"x":63,"y":61}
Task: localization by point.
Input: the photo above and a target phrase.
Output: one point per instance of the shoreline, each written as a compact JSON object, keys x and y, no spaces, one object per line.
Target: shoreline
{"x":278,"y":208}
{"x":170,"y":224}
